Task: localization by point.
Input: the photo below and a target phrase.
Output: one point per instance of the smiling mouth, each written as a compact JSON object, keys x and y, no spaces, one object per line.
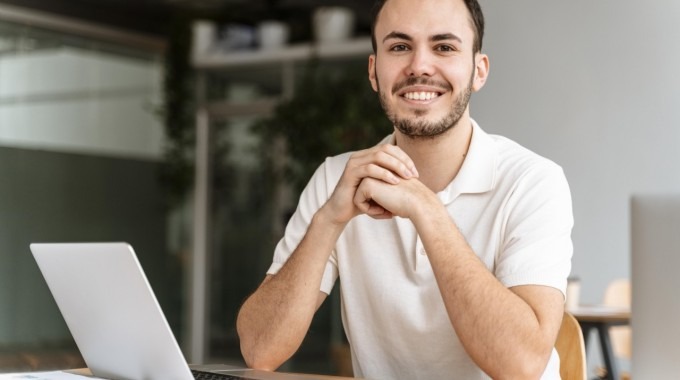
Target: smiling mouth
{"x":421,"y":95}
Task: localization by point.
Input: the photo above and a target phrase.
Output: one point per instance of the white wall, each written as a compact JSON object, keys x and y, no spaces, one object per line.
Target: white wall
{"x":594,"y":86}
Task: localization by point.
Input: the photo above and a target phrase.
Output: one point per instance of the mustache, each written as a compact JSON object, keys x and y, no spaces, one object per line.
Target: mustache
{"x":413,"y":81}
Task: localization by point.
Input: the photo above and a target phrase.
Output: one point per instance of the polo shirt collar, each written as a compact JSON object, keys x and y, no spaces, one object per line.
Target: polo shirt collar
{"x":478,"y":172}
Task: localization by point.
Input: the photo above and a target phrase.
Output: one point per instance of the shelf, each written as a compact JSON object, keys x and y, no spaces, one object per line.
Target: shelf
{"x":299,"y":52}
{"x":221,"y":110}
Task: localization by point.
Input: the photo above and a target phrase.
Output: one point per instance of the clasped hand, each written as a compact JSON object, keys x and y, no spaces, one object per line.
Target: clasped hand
{"x":381,"y":182}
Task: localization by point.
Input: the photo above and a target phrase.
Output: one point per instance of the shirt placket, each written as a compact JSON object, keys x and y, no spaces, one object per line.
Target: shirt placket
{"x":420,"y":258}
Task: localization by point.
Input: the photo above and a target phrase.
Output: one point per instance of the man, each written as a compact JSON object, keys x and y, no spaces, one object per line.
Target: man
{"x":452,"y":246}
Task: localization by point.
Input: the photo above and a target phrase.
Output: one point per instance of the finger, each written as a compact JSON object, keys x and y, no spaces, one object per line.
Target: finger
{"x":386,"y":215}
{"x":365,"y":166}
{"x":392,"y":156}
{"x":401,"y":156}
{"x":377,"y":172}
{"x":376,"y":211}
{"x":385,"y":157}
{"x":381,"y":215}
{"x":364,"y":201}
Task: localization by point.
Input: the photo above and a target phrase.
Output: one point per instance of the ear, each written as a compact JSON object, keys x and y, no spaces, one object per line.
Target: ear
{"x":371,"y":72}
{"x":481,"y":71}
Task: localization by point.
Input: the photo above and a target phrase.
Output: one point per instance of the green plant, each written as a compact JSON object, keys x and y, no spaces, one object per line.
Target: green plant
{"x":176,"y":174}
{"x":334,"y":110}
{"x":177,"y":169}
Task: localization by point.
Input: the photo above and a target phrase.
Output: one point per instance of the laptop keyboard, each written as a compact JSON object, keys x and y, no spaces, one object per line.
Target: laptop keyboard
{"x":201,"y":375}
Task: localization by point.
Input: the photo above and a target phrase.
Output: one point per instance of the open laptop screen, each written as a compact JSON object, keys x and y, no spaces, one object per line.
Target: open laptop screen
{"x":111,"y":311}
{"x":655,"y":263}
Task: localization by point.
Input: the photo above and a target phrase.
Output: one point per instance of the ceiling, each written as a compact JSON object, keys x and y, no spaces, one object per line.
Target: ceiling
{"x":154,"y":16}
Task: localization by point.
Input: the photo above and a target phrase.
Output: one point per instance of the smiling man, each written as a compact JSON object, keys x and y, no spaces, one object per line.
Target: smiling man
{"x":452,"y":246}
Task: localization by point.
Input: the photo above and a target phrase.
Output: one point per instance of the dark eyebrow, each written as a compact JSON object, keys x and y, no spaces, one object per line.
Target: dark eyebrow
{"x":398,"y":35}
{"x":445,"y":37}
{"x":434,"y":38}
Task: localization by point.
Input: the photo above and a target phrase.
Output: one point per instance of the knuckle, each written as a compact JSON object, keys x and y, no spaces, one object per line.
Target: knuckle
{"x":352,"y":161}
{"x":377,"y":155}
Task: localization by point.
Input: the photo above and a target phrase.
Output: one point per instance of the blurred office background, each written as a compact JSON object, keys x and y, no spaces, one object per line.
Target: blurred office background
{"x":80,"y":146}
{"x":100,"y":102}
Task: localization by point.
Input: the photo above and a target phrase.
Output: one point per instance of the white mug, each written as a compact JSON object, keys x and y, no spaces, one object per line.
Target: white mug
{"x":272,"y":34}
{"x":204,"y":35}
{"x":333,"y":24}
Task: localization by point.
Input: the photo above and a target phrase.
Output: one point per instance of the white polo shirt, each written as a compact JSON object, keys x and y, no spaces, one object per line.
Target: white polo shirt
{"x":514,"y":209}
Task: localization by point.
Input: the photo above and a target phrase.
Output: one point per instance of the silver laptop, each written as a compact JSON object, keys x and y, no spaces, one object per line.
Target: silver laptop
{"x":655,"y":261}
{"x":114,"y":317}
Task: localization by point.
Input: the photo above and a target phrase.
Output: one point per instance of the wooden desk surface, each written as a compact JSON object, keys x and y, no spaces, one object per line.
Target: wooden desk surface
{"x":608,"y":314}
{"x":247,"y":373}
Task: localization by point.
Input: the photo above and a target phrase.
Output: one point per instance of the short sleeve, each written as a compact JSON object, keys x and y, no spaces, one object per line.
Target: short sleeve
{"x":537,"y":248}
{"x":315,"y":194}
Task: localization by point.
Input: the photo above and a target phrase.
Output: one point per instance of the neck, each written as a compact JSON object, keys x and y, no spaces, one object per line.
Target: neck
{"x":438,"y":159}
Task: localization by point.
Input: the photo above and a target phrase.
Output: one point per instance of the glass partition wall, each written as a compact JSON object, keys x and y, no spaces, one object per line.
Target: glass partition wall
{"x":246,"y":208}
{"x":80,"y":148}
{"x":251,"y":197}
{"x":248,"y":212}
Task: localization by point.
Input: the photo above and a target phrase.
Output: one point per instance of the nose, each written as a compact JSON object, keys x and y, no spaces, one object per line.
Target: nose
{"x":420,"y":64}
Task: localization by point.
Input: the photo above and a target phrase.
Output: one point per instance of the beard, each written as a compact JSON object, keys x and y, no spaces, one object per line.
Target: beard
{"x":418,"y":127}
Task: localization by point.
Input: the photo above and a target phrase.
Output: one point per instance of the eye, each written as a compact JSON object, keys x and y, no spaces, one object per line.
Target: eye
{"x":445,"y":48}
{"x":399,"y":47}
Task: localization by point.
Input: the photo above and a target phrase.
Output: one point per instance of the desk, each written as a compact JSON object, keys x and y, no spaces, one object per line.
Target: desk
{"x":600,"y":318}
{"x":246,"y":373}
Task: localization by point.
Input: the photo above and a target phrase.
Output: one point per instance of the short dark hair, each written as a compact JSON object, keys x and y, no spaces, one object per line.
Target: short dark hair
{"x":472,"y":6}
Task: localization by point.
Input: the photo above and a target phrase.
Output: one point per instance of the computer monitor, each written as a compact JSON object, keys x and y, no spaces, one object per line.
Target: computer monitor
{"x":655,"y":264}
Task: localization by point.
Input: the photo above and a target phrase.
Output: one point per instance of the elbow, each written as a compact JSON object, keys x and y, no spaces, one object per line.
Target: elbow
{"x":524,"y":371}
{"x":526,"y":367}
{"x":264,"y":359}
{"x":252,"y":355}
{"x":531,"y":370}
{"x":255,"y":356}
{"x":533,"y":366}
{"x":255,"y":362}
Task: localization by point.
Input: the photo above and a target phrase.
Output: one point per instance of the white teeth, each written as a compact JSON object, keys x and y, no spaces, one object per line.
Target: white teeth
{"x":420,"y":95}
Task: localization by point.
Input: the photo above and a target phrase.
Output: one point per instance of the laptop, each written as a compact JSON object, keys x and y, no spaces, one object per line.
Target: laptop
{"x":114,"y":317}
{"x":655,"y":261}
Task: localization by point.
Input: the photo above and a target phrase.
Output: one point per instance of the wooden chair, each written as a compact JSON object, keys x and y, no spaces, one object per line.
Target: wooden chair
{"x":571,"y":349}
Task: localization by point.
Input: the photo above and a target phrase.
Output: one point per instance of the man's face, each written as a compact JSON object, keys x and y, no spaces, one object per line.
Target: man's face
{"x":424,"y":66}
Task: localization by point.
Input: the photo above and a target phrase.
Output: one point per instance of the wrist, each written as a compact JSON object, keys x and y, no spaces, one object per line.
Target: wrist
{"x":328,"y":218}
{"x":428,"y":209}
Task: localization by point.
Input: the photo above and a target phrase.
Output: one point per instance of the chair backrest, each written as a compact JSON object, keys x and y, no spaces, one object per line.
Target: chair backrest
{"x":571,"y":349}
{"x":618,"y":293}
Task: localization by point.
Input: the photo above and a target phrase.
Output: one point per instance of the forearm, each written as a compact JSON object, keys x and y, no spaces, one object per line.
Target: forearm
{"x":499,"y":329}
{"x":274,"y":320}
